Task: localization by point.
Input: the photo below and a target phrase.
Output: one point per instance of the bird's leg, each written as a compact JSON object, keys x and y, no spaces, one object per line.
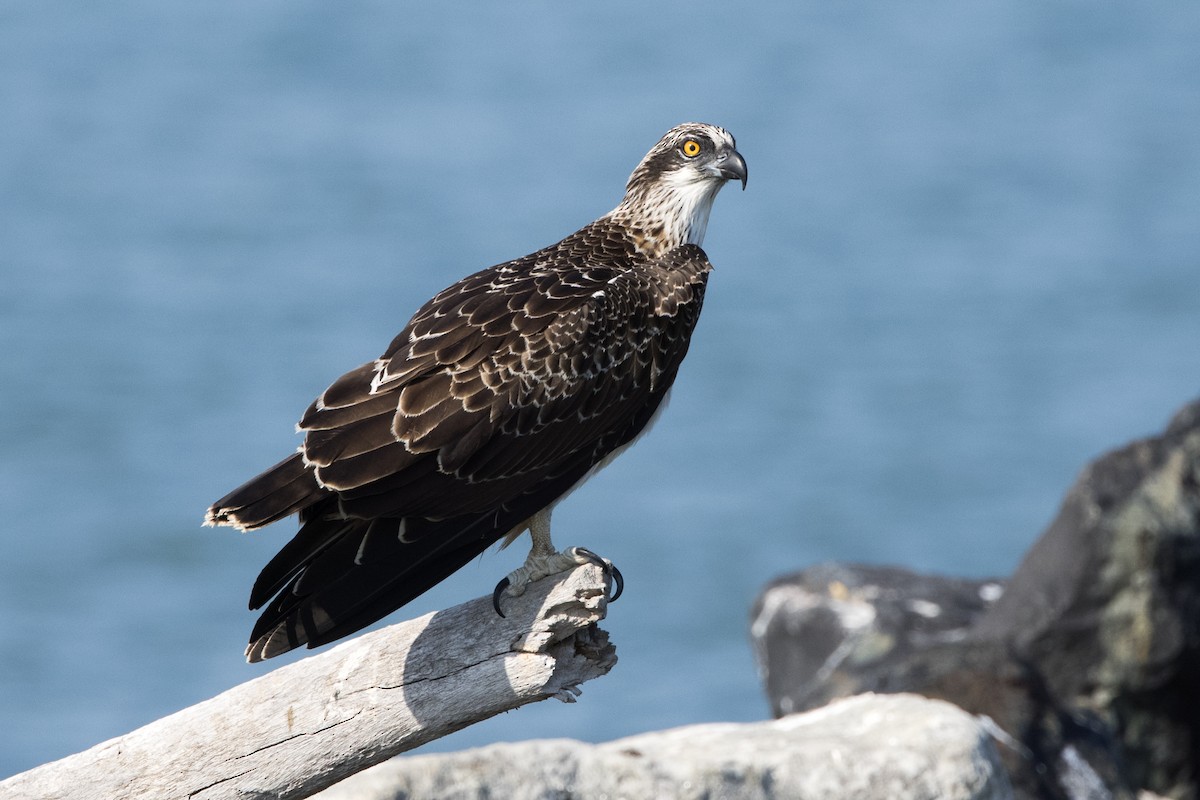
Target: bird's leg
{"x":544,"y":560}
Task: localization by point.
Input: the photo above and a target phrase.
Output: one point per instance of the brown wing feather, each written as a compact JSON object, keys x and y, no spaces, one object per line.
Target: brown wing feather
{"x":503,"y":392}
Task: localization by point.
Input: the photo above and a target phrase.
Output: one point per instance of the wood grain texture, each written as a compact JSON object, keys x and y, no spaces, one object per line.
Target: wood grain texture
{"x":305,"y":726}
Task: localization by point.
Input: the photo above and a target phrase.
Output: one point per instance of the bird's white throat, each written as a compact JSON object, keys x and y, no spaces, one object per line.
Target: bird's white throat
{"x":673,"y":211}
{"x":693,"y":198}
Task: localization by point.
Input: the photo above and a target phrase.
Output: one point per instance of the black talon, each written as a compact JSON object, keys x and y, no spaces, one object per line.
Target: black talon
{"x":618,"y":584}
{"x":500,"y":587}
{"x":592,"y":557}
{"x":609,"y":568}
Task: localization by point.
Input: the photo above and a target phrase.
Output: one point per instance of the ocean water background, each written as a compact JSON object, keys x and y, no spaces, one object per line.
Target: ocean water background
{"x":968,"y":260}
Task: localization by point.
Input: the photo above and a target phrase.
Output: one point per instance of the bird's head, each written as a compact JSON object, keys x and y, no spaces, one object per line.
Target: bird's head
{"x":671,"y":191}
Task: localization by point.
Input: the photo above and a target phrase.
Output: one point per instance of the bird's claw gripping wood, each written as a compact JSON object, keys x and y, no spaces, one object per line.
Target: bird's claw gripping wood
{"x":536,"y":568}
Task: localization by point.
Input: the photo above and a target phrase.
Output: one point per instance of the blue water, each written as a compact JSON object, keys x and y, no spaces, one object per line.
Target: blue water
{"x":968,"y":261}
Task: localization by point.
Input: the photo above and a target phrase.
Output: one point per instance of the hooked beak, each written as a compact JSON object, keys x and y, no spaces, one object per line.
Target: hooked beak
{"x":731,"y":166}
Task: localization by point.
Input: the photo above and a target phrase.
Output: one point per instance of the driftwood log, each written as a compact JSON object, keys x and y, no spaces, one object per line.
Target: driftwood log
{"x":305,"y":726}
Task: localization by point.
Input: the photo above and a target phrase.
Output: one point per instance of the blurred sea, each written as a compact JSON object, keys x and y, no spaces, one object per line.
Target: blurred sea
{"x":968,"y":261}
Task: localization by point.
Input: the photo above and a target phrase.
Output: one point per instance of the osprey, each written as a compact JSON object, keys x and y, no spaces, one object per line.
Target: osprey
{"x":501,"y":395}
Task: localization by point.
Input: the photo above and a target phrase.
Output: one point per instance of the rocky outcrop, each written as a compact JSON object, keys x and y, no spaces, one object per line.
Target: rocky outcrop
{"x":1086,"y":661}
{"x":872,"y":747}
{"x":835,"y":630}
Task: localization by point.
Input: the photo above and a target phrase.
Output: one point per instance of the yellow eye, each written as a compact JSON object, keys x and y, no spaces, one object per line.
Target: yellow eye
{"x":691,"y":148}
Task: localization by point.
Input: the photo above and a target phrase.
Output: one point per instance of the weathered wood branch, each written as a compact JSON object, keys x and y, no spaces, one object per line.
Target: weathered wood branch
{"x":305,"y":726}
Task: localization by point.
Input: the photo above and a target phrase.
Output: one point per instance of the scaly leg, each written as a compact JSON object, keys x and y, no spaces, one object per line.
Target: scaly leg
{"x":544,"y":560}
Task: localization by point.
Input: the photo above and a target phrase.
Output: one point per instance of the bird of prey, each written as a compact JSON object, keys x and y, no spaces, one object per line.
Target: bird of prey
{"x":500,"y":396}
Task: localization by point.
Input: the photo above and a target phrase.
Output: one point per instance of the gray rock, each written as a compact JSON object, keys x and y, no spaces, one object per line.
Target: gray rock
{"x":1087,"y":661}
{"x":871,"y":747}
{"x":835,"y":630}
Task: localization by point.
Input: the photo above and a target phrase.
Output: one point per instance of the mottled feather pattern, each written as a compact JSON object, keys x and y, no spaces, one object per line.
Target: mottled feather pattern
{"x":512,"y":371}
{"x":502,"y":393}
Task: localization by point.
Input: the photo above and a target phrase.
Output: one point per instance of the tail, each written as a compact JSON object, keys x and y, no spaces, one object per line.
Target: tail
{"x":338,"y":576}
{"x":283,"y":490}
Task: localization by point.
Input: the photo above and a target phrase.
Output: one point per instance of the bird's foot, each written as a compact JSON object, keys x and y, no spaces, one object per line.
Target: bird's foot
{"x":539,"y":566}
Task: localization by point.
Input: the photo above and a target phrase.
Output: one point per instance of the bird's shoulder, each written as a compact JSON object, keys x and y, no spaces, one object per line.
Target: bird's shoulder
{"x":598,"y":273}
{"x":555,"y":316}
